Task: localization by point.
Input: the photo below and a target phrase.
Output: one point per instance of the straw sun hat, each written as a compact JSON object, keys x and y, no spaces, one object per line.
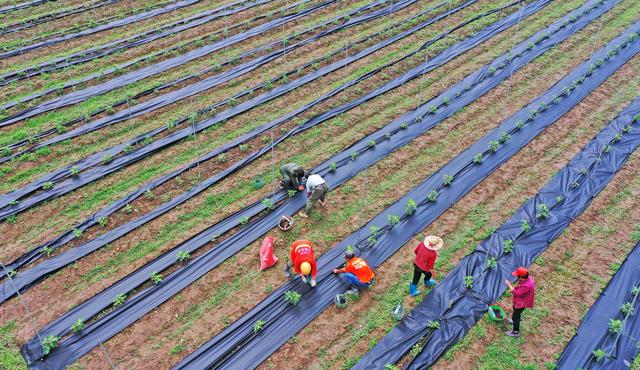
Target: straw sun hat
{"x":433,"y":242}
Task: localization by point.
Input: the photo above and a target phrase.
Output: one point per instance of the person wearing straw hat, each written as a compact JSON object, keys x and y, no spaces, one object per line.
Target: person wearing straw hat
{"x":424,"y":262}
{"x":522,"y":296}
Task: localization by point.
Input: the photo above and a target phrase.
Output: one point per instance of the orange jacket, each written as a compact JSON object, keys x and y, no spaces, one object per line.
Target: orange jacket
{"x":359,"y":268}
{"x":302,"y":251}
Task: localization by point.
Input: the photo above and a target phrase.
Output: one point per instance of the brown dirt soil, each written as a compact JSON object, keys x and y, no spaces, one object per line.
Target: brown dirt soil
{"x":141,"y":329}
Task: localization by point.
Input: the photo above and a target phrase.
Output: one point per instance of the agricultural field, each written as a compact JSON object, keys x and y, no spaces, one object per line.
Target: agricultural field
{"x":140,"y":151}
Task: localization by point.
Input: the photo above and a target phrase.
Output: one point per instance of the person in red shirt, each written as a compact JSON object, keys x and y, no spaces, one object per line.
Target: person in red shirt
{"x":303,"y":261}
{"x":522,"y":296}
{"x":423,"y":263}
{"x":356,"y":271}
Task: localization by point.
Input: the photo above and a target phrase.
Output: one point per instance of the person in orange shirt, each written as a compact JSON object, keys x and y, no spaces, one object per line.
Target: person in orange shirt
{"x":303,"y":261}
{"x":357,"y":272}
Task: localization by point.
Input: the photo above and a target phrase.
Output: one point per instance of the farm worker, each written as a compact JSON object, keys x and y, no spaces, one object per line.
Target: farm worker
{"x":356,"y":271}
{"x":522,"y":296}
{"x":316,"y":190}
{"x":423,"y":264}
{"x":302,"y":260}
{"x":292,"y":176}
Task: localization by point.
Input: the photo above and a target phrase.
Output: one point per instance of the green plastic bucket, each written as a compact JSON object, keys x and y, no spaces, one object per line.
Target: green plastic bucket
{"x":398,"y":312}
{"x":340,"y":300}
{"x":496,"y":313}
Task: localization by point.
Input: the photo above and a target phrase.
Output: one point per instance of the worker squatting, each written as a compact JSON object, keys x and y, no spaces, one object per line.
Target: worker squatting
{"x":357,"y":272}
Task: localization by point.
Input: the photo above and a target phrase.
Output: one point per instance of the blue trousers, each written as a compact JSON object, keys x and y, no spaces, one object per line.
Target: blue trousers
{"x":353,"y":280}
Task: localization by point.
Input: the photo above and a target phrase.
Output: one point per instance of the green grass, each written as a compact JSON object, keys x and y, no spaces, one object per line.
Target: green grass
{"x":10,"y":357}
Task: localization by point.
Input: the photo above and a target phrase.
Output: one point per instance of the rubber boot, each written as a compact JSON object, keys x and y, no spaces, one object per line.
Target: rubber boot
{"x":413,"y":290}
{"x":430,"y":283}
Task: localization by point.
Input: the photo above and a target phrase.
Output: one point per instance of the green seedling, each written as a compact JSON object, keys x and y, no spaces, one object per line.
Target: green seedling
{"x":615,"y":326}
{"x":291,"y":193}
{"x":447,"y":180}
{"x":354,"y":156}
{"x":149,"y":194}
{"x":372,"y":143}
{"x":49,"y":343}
{"x":243,"y":148}
{"x":183,"y":256}
{"x":599,"y":354}
{"x":107,"y":158}
{"x":411,"y":207}
{"x":128,"y":209}
{"x":77,"y":233}
{"x":222,"y":157}
{"x":244,"y":220}
{"x":393,"y":219}
{"x":258,"y":326}
{"x":543,"y":211}
{"x":525,"y":226}
{"x":391,"y":367}
{"x":78,"y":326}
{"x":494,"y":145}
{"x":75,"y":170}
{"x":433,"y":325}
{"x":119,"y":299}
{"x":432,"y":196}
{"x":268,"y":203}
{"x":155,"y":278}
{"x":504,"y":137}
{"x":627,"y":309}
{"x":292,"y":297}
{"x":47,"y":250}
{"x":635,"y":290}
{"x":468,"y":282}
{"x":507,"y":246}
{"x":477,"y":159}
{"x":492,"y":263}
{"x":47,"y":185}
{"x":332,"y":166}
{"x":416,"y":349}
{"x":433,"y":109}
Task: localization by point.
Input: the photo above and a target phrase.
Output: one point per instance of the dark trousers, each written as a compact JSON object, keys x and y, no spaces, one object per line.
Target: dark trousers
{"x":417,"y":273}
{"x":517,"y":313}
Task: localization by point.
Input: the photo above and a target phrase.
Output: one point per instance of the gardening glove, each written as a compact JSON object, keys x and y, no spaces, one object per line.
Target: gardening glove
{"x":304,"y":279}
{"x":301,"y":188}
{"x":313,"y":283}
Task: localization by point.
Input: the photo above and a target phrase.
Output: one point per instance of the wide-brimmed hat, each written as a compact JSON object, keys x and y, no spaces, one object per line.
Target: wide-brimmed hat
{"x":433,"y":242}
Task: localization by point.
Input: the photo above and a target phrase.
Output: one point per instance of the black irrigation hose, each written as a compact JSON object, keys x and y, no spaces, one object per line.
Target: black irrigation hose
{"x":47,"y":248}
{"x":163,"y":66}
{"x":32,"y":22}
{"x":29,"y":23}
{"x":532,"y":227}
{"x":118,"y":157}
{"x":421,"y":206}
{"x":115,"y":24}
{"x":12,"y":8}
{"x":337,"y":170}
{"x":145,"y":37}
{"x":618,"y":301}
{"x":208,"y":83}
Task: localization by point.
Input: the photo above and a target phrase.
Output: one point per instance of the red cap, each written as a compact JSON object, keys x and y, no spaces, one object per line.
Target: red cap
{"x":520,"y":271}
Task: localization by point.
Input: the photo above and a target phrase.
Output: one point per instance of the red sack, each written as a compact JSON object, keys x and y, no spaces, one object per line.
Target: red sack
{"x":267,"y":259}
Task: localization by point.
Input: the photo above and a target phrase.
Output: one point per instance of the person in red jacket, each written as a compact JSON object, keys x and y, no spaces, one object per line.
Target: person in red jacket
{"x":356,"y":271}
{"x":303,"y":261}
{"x":423,"y":264}
{"x":522,"y":296}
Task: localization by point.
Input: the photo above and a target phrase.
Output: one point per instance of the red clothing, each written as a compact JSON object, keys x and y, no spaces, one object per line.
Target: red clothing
{"x":302,"y":251}
{"x":425,"y":258}
{"x":359,"y":268}
{"x":523,"y":294}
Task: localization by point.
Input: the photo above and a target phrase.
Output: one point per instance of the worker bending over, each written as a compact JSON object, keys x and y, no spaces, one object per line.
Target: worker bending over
{"x":303,"y":261}
{"x":316,"y":190}
{"x":356,"y":271}
{"x":292,"y":176}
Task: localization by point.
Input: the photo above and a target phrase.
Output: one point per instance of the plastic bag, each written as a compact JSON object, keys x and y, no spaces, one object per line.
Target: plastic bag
{"x":267,"y":259}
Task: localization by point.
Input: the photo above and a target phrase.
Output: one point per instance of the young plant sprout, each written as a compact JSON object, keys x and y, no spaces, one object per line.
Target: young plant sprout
{"x":268,"y":203}
{"x":75,"y":170}
{"x":627,"y":309}
{"x":492,"y":263}
{"x":432,"y":196}
{"x":183,"y":256}
{"x":47,"y":185}
{"x":119,"y":299}
{"x":433,"y":325}
{"x":477,"y":159}
{"x":599,"y":354}
{"x":615,"y":326}
{"x":291,"y":193}
{"x":468,"y":282}
{"x":155,"y":278}
{"x":78,"y":326}
{"x":292,"y":297}
{"x":258,"y":326}
{"x":494,"y":145}
{"x":77,"y":233}
{"x":507,"y":246}
{"x":49,"y":343}
{"x":393,"y":219}
{"x":411,"y":207}
{"x":447,"y":180}
{"x":543,"y":211}
{"x":244,"y":220}
{"x":525,"y":226}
